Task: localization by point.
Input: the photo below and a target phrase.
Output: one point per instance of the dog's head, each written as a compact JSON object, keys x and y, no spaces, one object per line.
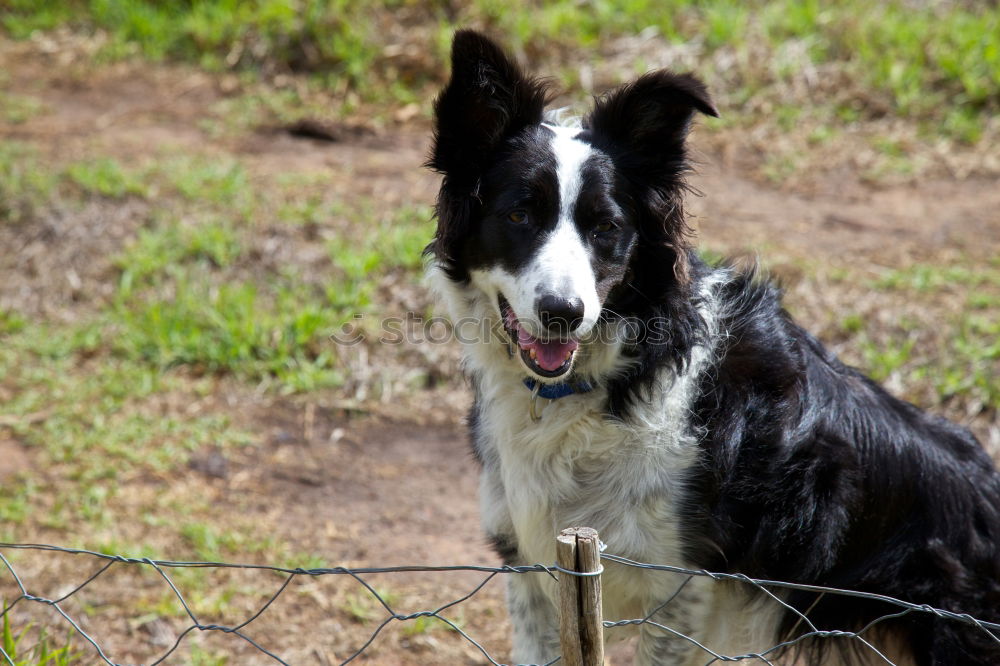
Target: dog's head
{"x":553,"y":226}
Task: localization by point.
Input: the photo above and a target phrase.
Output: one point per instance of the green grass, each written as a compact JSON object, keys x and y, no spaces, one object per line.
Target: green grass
{"x":95,"y":423}
{"x":209,"y":241}
{"x":211,"y":543}
{"x":172,"y":310}
{"x":364,"y":607}
{"x":22,"y":650}
{"x":975,"y":366}
{"x":335,"y":37}
{"x":11,"y":322}
{"x":106,"y":177}
{"x":199,"y":656}
{"x":426,"y":624}
{"x":203,"y":180}
{"x":937,"y":63}
{"x":882,"y":361}
{"x":968,"y":365}
{"x":232,"y":327}
{"x":184,"y":298}
{"x":25,"y":185}
{"x":394,"y":241}
{"x":17,"y":109}
{"x":923,"y":278}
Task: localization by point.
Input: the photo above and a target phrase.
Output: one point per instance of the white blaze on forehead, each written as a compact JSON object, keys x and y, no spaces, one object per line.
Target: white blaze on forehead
{"x":571,"y":154}
{"x":562,"y":265}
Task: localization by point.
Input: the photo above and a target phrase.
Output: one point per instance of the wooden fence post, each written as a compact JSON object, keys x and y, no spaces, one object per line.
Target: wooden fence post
{"x":581,"y":626}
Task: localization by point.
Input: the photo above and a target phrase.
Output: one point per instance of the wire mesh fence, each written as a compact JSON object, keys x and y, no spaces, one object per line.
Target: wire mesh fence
{"x":166,"y":571}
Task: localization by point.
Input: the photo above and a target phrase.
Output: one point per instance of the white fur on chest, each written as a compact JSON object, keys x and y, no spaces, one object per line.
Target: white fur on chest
{"x":577,"y":467}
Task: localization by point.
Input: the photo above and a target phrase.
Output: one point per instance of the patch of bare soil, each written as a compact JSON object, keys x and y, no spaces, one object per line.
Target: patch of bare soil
{"x":372,"y":493}
{"x":856,"y":225}
{"x":14,"y":459}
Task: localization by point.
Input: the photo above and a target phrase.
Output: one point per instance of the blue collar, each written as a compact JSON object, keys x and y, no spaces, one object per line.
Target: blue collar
{"x":556,"y":391}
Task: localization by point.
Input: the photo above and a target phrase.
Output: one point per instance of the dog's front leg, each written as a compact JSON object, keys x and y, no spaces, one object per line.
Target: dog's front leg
{"x":532,"y":612}
{"x":662,"y":648}
{"x":679,"y":614}
{"x":535,"y":619}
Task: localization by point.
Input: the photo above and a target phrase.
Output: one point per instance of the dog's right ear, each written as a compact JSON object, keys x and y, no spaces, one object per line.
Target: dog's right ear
{"x":487,"y":99}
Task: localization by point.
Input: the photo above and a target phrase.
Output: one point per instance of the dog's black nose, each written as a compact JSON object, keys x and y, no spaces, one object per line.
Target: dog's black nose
{"x":559,"y":315}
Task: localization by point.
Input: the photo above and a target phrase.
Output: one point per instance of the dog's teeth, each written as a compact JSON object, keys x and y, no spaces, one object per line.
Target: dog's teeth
{"x":533,"y":354}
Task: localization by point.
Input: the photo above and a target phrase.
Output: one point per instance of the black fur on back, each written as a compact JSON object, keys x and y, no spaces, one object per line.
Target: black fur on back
{"x":808,"y":471}
{"x":812,"y":473}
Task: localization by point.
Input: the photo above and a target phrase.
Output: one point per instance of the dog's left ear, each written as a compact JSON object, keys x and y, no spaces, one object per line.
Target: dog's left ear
{"x":643,"y":124}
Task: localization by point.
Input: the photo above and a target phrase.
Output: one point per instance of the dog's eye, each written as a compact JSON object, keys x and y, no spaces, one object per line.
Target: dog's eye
{"x":605,"y":227}
{"x":517,"y":216}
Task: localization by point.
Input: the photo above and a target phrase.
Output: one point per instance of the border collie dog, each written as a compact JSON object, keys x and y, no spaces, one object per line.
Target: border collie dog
{"x":626,"y":385}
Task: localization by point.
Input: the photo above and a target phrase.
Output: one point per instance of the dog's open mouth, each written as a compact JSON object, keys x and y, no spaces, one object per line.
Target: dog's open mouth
{"x":546,"y":358}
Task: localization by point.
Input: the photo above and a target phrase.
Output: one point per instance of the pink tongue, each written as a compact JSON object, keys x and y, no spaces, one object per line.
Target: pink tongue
{"x":548,"y":355}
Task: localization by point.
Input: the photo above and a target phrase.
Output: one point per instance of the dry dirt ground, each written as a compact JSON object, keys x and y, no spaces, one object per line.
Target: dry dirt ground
{"x":389,"y":484}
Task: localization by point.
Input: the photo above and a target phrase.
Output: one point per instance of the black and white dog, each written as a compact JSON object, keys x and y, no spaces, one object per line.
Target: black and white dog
{"x":674,"y":406}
